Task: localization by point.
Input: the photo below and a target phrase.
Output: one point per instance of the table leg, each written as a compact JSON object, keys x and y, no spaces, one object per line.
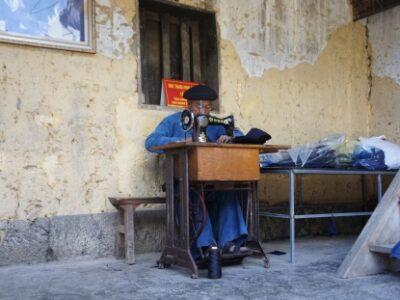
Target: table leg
{"x":177,"y":252}
{"x":379,"y":186}
{"x":292,"y":215}
{"x":168,"y":251}
{"x":253,"y":241}
{"x":187,"y":258}
{"x":129,"y":216}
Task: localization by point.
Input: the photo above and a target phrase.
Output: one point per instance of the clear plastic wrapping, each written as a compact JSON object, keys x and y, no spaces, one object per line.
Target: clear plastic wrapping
{"x":376,"y":153}
{"x":320,"y":154}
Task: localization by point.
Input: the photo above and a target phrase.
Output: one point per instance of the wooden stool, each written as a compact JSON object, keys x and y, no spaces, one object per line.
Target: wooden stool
{"x":126,"y":220}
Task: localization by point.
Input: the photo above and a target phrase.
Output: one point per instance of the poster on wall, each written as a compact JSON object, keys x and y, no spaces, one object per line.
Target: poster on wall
{"x":172,"y":92}
{"x":61,"y":24}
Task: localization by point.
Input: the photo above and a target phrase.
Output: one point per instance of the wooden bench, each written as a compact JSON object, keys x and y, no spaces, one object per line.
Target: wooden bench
{"x":126,"y":207}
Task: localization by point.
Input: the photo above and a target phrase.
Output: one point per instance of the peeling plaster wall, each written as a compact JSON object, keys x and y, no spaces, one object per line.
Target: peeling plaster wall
{"x":384,"y":38}
{"x":59,"y":137}
{"x":72,"y":129}
{"x":306,"y":102}
{"x":280,"y":33}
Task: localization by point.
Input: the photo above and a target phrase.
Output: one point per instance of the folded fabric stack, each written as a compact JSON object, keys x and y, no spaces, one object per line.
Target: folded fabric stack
{"x":373,"y":153}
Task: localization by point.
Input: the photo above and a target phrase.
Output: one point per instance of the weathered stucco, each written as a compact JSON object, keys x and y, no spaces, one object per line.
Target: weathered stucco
{"x":384,"y":38}
{"x":58,"y":126}
{"x":385,"y":108}
{"x":280,"y":33}
{"x":306,"y":102}
{"x":72,"y":129}
{"x":114,"y":32}
{"x":58,"y":129}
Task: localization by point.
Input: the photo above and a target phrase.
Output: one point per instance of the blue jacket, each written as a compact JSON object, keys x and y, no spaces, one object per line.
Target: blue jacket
{"x":170,"y":131}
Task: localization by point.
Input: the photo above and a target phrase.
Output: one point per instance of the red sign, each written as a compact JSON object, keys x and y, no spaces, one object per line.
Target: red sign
{"x":173,"y":91}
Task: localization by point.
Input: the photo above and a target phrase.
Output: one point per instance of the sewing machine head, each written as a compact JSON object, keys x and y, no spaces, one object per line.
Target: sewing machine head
{"x":200,"y":122}
{"x":200,"y":99}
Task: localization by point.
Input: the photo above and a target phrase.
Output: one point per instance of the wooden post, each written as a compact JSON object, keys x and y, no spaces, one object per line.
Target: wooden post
{"x":129,"y":217}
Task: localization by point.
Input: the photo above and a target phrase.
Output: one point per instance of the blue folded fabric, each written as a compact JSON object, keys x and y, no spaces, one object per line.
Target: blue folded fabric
{"x":396,"y":251}
{"x":371,"y":159}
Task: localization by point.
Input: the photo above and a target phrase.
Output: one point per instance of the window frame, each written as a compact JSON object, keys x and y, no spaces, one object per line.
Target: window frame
{"x":209,"y":54}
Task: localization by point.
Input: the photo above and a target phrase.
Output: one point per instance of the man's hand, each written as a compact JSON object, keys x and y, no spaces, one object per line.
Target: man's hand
{"x":224,"y":139}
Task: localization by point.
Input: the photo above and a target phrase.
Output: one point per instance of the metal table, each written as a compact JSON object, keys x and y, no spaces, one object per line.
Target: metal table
{"x":292,"y":216}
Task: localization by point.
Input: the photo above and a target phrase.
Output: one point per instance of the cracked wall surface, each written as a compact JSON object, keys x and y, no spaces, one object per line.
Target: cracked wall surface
{"x":308,"y":101}
{"x":280,"y":33}
{"x":384,"y":38}
{"x":72,"y":129}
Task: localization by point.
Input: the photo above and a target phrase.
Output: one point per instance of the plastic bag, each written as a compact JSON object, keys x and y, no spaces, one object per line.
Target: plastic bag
{"x":281,"y":158}
{"x":294,"y":154}
{"x":321,"y":154}
{"x":344,"y":155}
{"x":371,"y":159}
{"x":376,"y":153}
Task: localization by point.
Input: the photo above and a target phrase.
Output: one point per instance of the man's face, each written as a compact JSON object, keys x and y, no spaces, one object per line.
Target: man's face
{"x":200,"y":107}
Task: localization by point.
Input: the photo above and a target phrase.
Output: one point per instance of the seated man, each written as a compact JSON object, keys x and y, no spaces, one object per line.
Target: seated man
{"x":225,"y":225}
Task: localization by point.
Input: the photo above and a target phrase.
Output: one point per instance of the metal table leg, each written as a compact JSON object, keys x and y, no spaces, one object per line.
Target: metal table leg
{"x":379,"y":186}
{"x":292,"y":215}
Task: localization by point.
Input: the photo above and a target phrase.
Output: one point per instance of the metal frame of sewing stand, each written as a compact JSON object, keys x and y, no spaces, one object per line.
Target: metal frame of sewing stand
{"x":177,"y":248}
{"x":292,"y":216}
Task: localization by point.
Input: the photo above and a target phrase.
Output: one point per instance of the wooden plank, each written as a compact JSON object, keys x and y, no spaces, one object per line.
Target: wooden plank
{"x":185,"y":50}
{"x":149,"y":15}
{"x":129,"y":222}
{"x":195,"y":42}
{"x":166,"y":56}
{"x":175,"y":49}
{"x":219,"y":162}
{"x":118,"y":201}
{"x":382,"y":248}
{"x":120,"y":236}
{"x":381,"y":228}
{"x":224,"y":164}
{"x":366,"y":8}
{"x":262,"y":148}
{"x":121,"y":229}
{"x":151,"y":58}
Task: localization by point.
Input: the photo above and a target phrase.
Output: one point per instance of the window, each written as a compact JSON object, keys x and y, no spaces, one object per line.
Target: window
{"x":176,"y":42}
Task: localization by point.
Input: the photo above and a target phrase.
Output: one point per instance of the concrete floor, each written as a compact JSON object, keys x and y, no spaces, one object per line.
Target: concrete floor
{"x":313,"y":276}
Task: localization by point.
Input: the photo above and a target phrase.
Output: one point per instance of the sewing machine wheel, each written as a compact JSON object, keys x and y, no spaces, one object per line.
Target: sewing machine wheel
{"x":187,"y":120}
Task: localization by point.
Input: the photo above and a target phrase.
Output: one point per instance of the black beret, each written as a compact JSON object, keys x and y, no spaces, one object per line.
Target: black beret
{"x":200,"y":92}
{"x":254,"y":136}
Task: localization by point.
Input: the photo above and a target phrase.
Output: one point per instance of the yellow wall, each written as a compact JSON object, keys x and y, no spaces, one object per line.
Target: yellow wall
{"x":385,"y":112}
{"x":306,"y":102}
{"x":384,"y":43}
{"x":72,"y":128}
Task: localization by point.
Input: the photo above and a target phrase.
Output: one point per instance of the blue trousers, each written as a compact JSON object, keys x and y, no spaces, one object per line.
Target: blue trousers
{"x":224,"y":220}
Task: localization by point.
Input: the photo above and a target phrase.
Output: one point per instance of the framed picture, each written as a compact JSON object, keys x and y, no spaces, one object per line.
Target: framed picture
{"x":61,"y":24}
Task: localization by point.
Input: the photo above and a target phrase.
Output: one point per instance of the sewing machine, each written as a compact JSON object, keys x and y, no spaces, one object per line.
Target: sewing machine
{"x":208,"y":167}
{"x":199,"y":124}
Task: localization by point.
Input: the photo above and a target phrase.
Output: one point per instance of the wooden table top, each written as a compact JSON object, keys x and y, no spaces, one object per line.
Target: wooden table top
{"x":263,"y":148}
